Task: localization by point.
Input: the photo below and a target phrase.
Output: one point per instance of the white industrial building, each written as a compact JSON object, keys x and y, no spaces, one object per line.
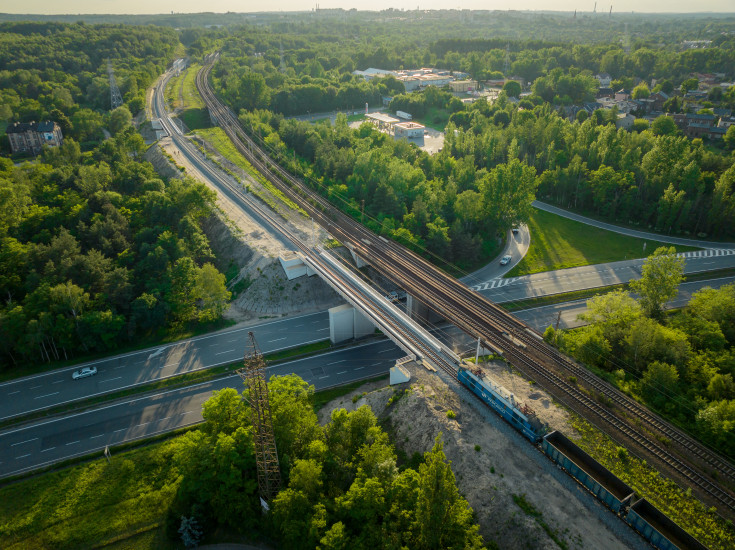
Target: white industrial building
{"x":381,"y":120}
{"x":408,"y":130}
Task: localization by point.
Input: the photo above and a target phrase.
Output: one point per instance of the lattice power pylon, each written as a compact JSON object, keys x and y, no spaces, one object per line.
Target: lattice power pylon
{"x":115,"y":95}
{"x":266,"y":456}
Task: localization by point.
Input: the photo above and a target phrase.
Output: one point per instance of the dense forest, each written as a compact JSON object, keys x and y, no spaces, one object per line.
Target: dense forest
{"x":681,"y":364}
{"x":343,"y":485}
{"x":58,"y":71}
{"x":96,"y":250}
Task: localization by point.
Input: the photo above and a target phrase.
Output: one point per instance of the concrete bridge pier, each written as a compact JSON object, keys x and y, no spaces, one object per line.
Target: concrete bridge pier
{"x":346,"y":323}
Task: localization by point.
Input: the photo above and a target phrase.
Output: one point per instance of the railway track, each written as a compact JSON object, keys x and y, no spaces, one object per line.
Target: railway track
{"x":313,"y":256}
{"x":479,"y":317}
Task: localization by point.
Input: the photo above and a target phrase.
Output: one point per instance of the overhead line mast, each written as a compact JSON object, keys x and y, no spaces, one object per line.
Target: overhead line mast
{"x":266,"y":454}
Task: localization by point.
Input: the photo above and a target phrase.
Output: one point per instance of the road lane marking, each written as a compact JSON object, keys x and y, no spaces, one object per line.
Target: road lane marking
{"x":170,"y":365}
{"x":120,"y":367}
{"x":120,"y":430}
{"x":223,"y":352}
{"x":96,"y":436}
{"x":187,"y":412}
{"x":72,"y":442}
{"x":343,"y":372}
{"x":235,"y":340}
{"x":19,"y":457}
{"x":188,"y":388}
{"x":14,"y":392}
{"x":47,"y":395}
{"x":376,"y":364}
{"x":301,"y":325}
{"x":47,"y":450}
{"x":35,"y":387}
{"x":111,"y":379}
{"x":321,"y":329}
{"x":358,"y":368}
{"x":335,"y":362}
{"x":22,"y":442}
{"x":58,"y":382}
{"x":276,"y":340}
{"x":385,"y":351}
{"x":323,"y":377}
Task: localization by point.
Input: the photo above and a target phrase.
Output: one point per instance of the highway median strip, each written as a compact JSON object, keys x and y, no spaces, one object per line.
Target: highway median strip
{"x":202,"y":375}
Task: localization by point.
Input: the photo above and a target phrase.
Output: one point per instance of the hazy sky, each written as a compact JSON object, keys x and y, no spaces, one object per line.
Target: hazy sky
{"x":193,"y":6}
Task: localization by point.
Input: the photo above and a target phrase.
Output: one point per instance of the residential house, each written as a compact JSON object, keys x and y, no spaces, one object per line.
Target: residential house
{"x":30,"y":137}
{"x":604,"y":79}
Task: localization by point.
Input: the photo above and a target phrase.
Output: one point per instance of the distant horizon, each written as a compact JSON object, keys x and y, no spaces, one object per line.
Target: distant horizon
{"x":191,"y":7}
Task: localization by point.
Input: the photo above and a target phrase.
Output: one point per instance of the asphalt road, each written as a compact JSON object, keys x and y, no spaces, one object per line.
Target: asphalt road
{"x":630,"y":232}
{"x":541,"y":317}
{"x":26,"y":395}
{"x":592,"y":276}
{"x":45,"y":442}
{"x":516,"y":245}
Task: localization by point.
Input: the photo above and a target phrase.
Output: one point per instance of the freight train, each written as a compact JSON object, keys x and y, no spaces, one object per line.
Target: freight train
{"x":654,"y":526}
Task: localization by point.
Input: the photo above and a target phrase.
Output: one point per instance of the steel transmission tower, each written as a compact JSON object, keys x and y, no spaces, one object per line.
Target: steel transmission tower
{"x":266,"y":456}
{"x":115,"y":95}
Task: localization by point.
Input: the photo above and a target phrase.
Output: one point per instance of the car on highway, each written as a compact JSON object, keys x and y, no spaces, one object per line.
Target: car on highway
{"x":83,"y":373}
{"x":505,"y":259}
{"x":392,"y":297}
{"x":515,"y":231}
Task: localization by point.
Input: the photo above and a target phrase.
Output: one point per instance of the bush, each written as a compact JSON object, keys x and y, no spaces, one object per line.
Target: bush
{"x":451,"y":414}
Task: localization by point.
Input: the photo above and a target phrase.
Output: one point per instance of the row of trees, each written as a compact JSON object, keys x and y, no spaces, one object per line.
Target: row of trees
{"x":653,"y":177}
{"x":342,"y":484}
{"x":682,"y":364}
{"x":96,"y":250}
{"x":436,"y":203}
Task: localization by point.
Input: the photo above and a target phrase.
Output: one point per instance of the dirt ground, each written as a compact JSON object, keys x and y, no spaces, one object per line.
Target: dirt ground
{"x":505,"y":464}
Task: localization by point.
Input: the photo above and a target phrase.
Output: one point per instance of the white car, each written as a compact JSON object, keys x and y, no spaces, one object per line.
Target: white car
{"x":83,"y":373}
{"x":505,"y":259}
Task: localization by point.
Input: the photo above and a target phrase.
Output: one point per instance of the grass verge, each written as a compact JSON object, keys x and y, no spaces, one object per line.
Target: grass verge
{"x":323,"y":397}
{"x":559,"y":243}
{"x":677,"y":503}
{"x":93,"y":504}
{"x":219,"y":140}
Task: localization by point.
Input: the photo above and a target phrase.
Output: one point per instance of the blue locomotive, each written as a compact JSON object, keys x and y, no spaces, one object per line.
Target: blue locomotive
{"x":504,"y":403}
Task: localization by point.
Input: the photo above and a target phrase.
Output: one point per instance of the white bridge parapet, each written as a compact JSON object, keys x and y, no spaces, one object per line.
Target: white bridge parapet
{"x":377,"y":308}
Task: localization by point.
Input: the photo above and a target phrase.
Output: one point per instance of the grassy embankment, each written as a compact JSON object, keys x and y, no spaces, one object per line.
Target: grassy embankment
{"x":118,"y":505}
{"x":559,"y":243}
{"x":195,"y":114}
{"x":679,"y":504}
{"x":217,"y":138}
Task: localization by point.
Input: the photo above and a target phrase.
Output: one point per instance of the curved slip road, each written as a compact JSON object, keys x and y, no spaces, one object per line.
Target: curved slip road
{"x":629,"y":232}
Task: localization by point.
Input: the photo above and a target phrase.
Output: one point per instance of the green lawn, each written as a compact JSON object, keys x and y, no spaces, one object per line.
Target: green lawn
{"x":93,"y":504}
{"x":195,"y":114}
{"x":558,"y":243}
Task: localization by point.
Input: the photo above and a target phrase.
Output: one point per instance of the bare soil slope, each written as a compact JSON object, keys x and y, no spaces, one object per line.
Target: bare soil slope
{"x":493,"y":463}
